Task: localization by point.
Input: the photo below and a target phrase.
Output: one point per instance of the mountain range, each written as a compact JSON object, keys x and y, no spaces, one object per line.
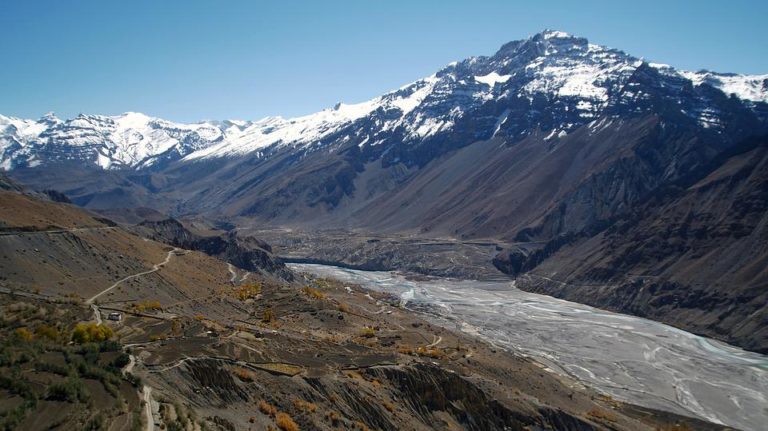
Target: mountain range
{"x":602,"y":177}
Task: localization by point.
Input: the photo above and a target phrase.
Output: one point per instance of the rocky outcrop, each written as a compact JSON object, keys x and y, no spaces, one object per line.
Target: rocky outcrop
{"x":246,"y":252}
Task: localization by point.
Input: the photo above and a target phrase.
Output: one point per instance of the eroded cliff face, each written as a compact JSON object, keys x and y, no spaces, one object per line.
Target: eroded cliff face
{"x":693,"y":254}
{"x":418,"y":396}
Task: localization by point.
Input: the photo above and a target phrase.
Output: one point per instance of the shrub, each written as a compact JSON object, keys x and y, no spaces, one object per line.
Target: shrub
{"x":16,"y":385}
{"x":675,"y":427}
{"x":91,"y":332}
{"x":71,"y":390}
{"x":95,"y":424}
{"x":147,"y":306}
{"x":248,"y":291}
{"x":267,"y":408}
{"x":389,"y":406}
{"x":597,"y":413}
{"x":121,"y":361}
{"x":323,"y":283}
{"x":285,"y":423}
{"x":268,"y":316}
{"x":368,"y":332}
{"x":304,"y":406}
{"x":430,"y":352}
{"x":52,"y":368}
{"x":23,"y":334}
{"x":344,"y":308}
{"x":11,"y":419}
{"x":405,"y":350}
{"x":133,"y":379}
{"x":110,"y":346}
{"x":176,"y":327}
{"x":312,"y":292}
{"x":47,"y":331}
{"x":244,"y":374}
{"x":333,"y":417}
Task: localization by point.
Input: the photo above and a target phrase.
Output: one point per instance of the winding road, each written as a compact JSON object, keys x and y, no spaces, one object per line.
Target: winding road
{"x":39,"y":232}
{"x":96,"y":314}
{"x":146,"y":390}
{"x":231,"y":269}
{"x":155,"y":268}
{"x":150,"y":425}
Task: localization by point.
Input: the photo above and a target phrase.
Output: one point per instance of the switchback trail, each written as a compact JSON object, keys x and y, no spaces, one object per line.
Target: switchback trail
{"x":155,"y":268}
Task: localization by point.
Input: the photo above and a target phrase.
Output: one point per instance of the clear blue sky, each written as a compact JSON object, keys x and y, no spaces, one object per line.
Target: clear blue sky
{"x":191,"y":60}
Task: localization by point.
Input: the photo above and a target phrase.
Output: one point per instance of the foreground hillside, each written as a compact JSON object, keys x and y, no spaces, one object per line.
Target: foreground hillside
{"x":201,"y":344}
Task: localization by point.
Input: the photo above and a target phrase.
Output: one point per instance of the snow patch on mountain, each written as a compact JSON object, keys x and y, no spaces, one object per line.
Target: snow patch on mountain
{"x":492,"y":78}
{"x":753,"y":88}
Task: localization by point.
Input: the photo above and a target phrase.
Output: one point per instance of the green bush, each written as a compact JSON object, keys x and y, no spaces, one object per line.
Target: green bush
{"x":133,"y":379}
{"x":121,"y":361}
{"x":96,"y":423}
{"x":11,"y":419}
{"x":71,"y":390}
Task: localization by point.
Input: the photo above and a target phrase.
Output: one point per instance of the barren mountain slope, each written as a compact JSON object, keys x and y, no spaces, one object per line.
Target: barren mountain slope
{"x":694,"y":255}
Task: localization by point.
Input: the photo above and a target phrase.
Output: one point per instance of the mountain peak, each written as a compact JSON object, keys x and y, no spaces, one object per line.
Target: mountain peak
{"x":49,"y":118}
{"x":545,"y":43}
{"x":554,"y":34}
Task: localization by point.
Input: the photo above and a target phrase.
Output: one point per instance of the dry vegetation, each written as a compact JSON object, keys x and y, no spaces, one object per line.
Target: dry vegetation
{"x":368,"y":332}
{"x":267,"y":408}
{"x":268,"y":316}
{"x":141,"y":307}
{"x":675,"y":427}
{"x":313,"y":293}
{"x":597,"y":413}
{"x":285,"y":422}
{"x":388,"y":406}
{"x":244,"y":374}
{"x":91,"y":332}
{"x":249,"y":291}
{"x":304,"y":406}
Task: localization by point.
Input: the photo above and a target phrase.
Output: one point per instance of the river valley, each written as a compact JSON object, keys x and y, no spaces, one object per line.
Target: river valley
{"x":627,"y":357}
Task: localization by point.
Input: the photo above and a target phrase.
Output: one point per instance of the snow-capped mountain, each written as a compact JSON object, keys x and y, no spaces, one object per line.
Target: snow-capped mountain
{"x":129,"y":140}
{"x":551,"y":82}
